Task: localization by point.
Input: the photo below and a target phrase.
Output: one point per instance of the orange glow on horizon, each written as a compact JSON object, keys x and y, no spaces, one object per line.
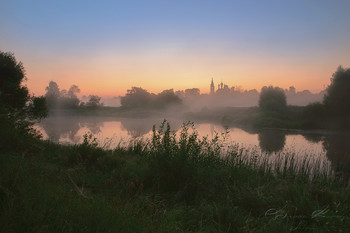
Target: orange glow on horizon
{"x":108,"y":75}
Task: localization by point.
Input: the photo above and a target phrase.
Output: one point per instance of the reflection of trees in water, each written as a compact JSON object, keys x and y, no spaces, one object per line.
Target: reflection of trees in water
{"x":271,"y":140}
{"x":136,"y":127}
{"x":140,"y":127}
{"x":93,"y":126}
{"x":338,"y":151}
{"x":315,"y":138}
{"x":58,"y":128}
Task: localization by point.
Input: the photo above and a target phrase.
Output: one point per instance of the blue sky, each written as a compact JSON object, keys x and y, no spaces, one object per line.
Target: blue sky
{"x":135,"y":43}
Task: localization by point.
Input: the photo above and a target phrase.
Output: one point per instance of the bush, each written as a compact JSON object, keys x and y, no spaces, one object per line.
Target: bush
{"x":272,"y":99}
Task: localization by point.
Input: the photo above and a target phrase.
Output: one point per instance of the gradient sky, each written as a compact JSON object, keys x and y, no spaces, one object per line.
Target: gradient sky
{"x":105,"y":47}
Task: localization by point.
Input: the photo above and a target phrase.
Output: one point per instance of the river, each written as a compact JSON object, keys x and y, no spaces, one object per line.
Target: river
{"x":330,"y":147}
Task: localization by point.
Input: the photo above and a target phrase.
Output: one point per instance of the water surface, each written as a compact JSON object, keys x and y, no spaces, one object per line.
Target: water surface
{"x":334,"y":148}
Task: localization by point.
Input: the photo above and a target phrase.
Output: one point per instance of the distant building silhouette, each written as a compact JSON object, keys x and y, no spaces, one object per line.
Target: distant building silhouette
{"x":212,"y":87}
{"x":222,"y":88}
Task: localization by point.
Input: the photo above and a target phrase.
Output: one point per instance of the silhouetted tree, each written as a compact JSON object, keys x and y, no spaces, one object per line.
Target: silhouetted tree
{"x":192,"y":92}
{"x":69,"y":99}
{"x":73,"y":90}
{"x":180,"y":93}
{"x":17,"y":107}
{"x":337,"y":98}
{"x":166,"y":98}
{"x":272,"y":99}
{"x":137,"y":97}
{"x":15,"y":102}
{"x":314,"y":115}
{"x":62,"y":99}
{"x":94,"y":101}
{"x":52,"y":94}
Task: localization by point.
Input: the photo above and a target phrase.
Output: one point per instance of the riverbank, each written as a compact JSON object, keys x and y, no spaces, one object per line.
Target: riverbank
{"x":165,"y":185}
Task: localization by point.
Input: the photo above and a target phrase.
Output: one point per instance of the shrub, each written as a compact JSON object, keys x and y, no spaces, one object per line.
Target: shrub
{"x":272,"y":99}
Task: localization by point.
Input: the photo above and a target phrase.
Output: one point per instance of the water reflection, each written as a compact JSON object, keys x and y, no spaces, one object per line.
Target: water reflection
{"x":57,"y":128}
{"x":60,"y":129}
{"x":337,"y":148}
{"x":333,"y":147}
{"x":141,"y":127}
{"x":313,"y":137}
{"x":271,"y":140}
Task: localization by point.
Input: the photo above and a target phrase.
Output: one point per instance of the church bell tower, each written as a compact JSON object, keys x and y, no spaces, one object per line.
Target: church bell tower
{"x":212,"y":87}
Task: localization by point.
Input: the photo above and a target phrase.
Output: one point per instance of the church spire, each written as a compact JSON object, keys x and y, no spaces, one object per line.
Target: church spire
{"x":212,"y":87}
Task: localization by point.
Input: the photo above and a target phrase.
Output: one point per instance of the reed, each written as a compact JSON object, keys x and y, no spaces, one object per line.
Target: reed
{"x":169,"y":183}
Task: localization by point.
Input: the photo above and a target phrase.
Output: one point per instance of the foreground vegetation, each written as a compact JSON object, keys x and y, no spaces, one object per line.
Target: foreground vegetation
{"x":169,"y":184}
{"x":172,"y":183}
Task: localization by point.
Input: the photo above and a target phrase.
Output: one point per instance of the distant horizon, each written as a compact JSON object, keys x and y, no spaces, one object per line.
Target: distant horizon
{"x":107,"y":47}
{"x":84,"y":93}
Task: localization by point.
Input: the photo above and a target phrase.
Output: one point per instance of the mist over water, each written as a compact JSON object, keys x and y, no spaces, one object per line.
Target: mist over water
{"x":111,"y":131}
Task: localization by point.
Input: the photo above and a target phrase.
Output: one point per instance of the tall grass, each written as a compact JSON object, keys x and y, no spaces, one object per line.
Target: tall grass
{"x":173,"y":182}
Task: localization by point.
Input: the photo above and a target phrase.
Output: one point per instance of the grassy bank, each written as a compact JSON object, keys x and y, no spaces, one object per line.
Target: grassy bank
{"x":170,"y":184}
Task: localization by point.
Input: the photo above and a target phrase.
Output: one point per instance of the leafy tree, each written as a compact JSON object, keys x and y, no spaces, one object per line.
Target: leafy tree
{"x":137,"y":97}
{"x":73,"y":91}
{"x":62,"y":99}
{"x":69,"y":99}
{"x":52,"y":94}
{"x":15,"y":100}
{"x":313,"y":115}
{"x":337,"y":98}
{"x":94,"y":101}
{"x":18,"y":109}
{"x":37,"y":108}
{"x":192,"y":92}
{"x":272,"y":99}
{"x":167,"y":97}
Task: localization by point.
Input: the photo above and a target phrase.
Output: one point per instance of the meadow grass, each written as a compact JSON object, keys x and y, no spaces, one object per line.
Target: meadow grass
{"x":170,"y":183}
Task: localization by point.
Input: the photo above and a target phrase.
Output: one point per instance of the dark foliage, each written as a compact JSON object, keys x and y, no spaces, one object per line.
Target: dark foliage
{"x":61,"y":99}
{"x":314,"y":116}
{"x":138,"y":97}
{"x":192,"y":92}
{"x":271,"y":140}
{"x":18,"y":109}
{"x":165,"y":98}
{"x":337,"y":98}
{"x":272,"y":99}
{"x":52,"y":94}
{"x":93,"y":102}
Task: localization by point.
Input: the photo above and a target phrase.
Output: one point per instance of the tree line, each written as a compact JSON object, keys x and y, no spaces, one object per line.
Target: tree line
{"x":18,"y":108}
{"x":57,"y":98}
{"x":332,"y":112}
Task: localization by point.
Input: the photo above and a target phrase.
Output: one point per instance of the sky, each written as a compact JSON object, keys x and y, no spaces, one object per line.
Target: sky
{"x":106,"y":47}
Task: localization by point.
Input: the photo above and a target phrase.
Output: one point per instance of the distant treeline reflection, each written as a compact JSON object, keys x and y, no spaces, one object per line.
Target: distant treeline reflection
{"x":337,"y":146}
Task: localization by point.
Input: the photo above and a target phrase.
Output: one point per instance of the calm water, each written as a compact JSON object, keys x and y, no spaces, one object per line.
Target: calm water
{"x":333,"y":148}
